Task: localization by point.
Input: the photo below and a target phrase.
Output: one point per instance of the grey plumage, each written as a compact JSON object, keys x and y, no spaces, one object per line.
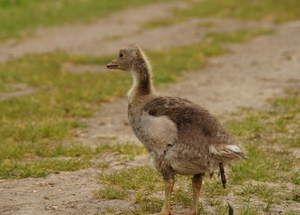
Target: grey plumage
{"x":181,"y":136}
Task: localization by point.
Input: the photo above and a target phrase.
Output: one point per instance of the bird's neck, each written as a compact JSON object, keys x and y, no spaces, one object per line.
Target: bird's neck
{"x":142,"y":82}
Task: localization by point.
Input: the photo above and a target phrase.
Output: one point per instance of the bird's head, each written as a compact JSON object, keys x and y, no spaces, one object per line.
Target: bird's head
{"x":126,"y":58}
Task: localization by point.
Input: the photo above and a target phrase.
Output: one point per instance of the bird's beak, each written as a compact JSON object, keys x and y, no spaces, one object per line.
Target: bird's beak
{"x":112,"y":65}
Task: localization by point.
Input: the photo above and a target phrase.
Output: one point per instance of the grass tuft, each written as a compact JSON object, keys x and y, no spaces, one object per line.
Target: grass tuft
{"x":38,"y":160}
{"x":41,"y":168}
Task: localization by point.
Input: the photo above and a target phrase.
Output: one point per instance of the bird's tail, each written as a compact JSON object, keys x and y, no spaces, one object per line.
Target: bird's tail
{"x":237,"y":151}
{"x":226,"y":152}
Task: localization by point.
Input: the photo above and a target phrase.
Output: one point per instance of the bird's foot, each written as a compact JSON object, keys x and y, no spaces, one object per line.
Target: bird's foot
{"x":192,"y":211}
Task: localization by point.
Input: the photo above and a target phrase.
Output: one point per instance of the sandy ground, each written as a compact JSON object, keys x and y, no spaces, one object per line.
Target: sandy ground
{"x":251,"y":73}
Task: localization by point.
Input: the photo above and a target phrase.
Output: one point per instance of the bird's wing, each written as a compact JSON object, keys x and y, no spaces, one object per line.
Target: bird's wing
{"x":190,"y":119}
{"x":175,"y":108}
{"x":165,"y":105}
{"x":184,"y":113}
{"x":156,"y":128}
{"x":191,"y":125}
{"x":157,"y":132}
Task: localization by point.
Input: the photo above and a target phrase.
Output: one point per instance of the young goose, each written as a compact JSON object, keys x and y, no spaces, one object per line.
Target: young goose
{"x":181,"y":137}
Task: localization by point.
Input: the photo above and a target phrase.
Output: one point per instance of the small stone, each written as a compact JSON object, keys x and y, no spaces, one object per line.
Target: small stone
{"x":54,"y":207}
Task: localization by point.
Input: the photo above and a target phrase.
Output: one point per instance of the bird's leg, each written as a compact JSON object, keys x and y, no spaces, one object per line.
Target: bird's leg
{"x":223,"y":177}
{"x":230,"y":209}
{"x":196,"y":184}
{"x":166,"y":209}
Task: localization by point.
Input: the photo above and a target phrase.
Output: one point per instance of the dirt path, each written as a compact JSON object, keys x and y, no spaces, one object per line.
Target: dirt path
{"x":246,"y":77}
{"x":107,"y":35}
{"x":89,"y":38}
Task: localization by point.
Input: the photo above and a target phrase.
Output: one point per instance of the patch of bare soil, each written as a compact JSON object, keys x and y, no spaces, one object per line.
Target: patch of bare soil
{"x":17,"y":90}
{"x":246,"y":77}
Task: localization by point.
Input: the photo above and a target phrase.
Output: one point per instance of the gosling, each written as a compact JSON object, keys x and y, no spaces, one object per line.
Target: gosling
{"x":180,"y":136}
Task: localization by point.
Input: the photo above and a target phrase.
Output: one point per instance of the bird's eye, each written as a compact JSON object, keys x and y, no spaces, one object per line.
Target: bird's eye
{"x":121,"y":55}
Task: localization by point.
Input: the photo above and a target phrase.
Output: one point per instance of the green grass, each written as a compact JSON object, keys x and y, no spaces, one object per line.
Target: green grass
{"x":296,"y":177}
{"x":21,"y":17}
{"x":265,"y":192}
{"x":270,"y":146}
{"x":263,"y":165}
{"x":6,"y":88}
{"x":135,"y":184}
{"x":249,"y":210}
{"x":207,"y":24}
{"x":39,"y":160}
{"x":276,"y":11}
{"x":40,"y":168}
